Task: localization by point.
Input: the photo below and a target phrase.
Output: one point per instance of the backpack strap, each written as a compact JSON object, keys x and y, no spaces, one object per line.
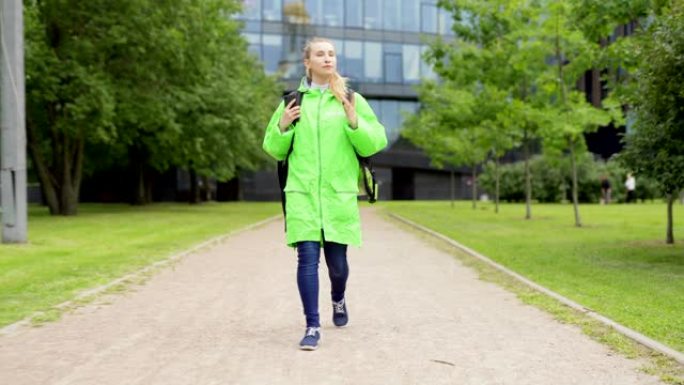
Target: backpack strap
{"x":370,"y":184}
{"x":283,"y":165}
{"x":297,"y":96}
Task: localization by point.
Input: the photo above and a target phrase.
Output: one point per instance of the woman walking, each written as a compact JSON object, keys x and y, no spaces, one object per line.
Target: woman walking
{"x":330,"y":128}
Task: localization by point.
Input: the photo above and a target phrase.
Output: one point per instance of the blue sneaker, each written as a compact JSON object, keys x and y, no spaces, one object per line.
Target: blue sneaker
{"x":310,"y":340}
{"x":340,"y":315}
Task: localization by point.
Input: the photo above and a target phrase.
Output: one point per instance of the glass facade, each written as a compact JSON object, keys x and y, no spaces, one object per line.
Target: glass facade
{"x":376,"y":60}
{"x":411,"y":58}
{"x":428,"y":17}
{"x":361,"y":61}
{"x":410,"y":15}
{"x":353,"y":13}
{"x":388,"y":15}
{"x":272,"y":51}
{"x":271,"y":10}
{"x":392,"y":114}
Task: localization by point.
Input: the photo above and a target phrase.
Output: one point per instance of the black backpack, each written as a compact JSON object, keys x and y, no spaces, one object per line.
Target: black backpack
{"x":369,"y":182}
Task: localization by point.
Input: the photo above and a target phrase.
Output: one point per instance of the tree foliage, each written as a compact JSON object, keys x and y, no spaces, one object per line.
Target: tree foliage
{"x":655,"y":148}
{"x":142,"y":84}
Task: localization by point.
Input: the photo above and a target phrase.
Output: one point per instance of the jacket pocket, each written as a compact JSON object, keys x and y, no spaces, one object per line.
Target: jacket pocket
{"x":295,"y":184}
{"x":345,"y":186}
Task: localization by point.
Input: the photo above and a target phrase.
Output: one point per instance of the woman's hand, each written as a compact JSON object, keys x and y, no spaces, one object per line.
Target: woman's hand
{"x":289,"y":115}
{"x":350,"y":110}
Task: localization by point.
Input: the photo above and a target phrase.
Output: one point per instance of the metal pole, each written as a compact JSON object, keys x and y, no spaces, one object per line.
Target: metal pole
{"x":13,"y":168}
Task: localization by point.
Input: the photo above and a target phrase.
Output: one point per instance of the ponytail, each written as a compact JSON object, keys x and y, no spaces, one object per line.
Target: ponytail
{"x":338,"y":86}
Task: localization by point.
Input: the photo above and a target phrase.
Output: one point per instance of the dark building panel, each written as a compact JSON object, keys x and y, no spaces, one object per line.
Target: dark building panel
{"x":403,"y":187}
{"x":605,"y":142}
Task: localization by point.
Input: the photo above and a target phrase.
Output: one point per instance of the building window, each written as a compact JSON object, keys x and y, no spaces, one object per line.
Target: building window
{"x":253,"y":44}
{"x":373,"y":11}
{"x":391,"y":119}
{"x":332,"y":13}
{"x":315,"y":10}
{"x":272,"y":10}
{"x":354,"y":13}
{"x":426,"y":70}
{"x":410,"y":15}
{"x":292,"y":66}
{"x":339,"y":53}
{"x":411,"y":56}
{"x":251,"y":9}
{"x":393,"y":63}
{"x":428,"y":19}
{"x":446,"y":22}
{"x":406,"y":109}
{"x":392,"y":114}
{"x":353,"y":54}
{"x":372,"y":62}
{"x":391,"y":16}
{"x":272,"y":50}
{"x":375,"y":106}
{"x":393,"y":71}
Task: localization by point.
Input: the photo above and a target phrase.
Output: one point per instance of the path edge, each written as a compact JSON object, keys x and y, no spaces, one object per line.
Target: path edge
{"x":18,"y":325}
{"x":624,"y":330}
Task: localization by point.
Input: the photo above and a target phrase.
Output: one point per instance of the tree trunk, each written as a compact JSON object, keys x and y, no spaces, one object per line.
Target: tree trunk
{"x":47,"y":184}
{"x":474,"y":185}
{"x":670,"y":222}
{"x":68,"y":198}
{"x":206,"y":190}
{"x":497,"y":178}
{"x":148,"y":184}
{"x":61,"y":181}
{"x":194,"y":196}
{"x":528,"y":179}
{"x":139,"y":193}
{"x":575,"y":201}
{"x":452,"y":187}
{"x":142,"y":193}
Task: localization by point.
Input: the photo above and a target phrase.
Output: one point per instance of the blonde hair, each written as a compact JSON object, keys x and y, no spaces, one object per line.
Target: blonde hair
{"x":338,"y":84}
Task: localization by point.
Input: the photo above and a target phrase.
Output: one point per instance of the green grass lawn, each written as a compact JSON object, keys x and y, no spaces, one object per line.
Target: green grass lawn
{"x":617,"y":264}
{"x":66,"y":255}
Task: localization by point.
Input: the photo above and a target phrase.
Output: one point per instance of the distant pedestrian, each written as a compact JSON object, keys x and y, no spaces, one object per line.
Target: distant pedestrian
{"x":630,"y":185}
{"x":605,"y":190}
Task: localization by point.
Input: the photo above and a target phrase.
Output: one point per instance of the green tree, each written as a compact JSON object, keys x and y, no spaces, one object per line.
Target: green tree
{"x":655,"y":148}
{"x":445,"y":128}
{"x":143,"y":84}
{"x":569,"y":115}
{"x":70,"y":98}
{"x":479,"y":82}
{"x":497,"y":57}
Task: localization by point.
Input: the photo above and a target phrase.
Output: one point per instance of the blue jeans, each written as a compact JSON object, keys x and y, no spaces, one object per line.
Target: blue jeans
{"x":308,"y":255}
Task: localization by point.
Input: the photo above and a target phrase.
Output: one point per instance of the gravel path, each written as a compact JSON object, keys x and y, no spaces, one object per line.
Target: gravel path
{"x":231,"y":315}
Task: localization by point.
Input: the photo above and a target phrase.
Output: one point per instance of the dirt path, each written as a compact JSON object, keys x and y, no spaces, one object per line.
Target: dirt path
{"x":231,"y":315}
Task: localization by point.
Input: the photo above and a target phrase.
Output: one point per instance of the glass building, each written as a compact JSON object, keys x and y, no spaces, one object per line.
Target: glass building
{"x":379,"y":48}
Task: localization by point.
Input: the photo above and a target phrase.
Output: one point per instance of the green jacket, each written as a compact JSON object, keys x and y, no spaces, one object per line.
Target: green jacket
{"x":322,"y":182}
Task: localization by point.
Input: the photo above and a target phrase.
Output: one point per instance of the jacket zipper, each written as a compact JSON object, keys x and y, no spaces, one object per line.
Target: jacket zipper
{"x":320,"y":162}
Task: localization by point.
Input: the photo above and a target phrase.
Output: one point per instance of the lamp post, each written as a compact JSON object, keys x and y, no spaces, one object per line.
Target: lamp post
{"x":13,"y":167}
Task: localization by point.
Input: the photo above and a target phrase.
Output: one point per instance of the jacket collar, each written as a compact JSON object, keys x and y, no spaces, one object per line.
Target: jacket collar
{"x":305,"y":86}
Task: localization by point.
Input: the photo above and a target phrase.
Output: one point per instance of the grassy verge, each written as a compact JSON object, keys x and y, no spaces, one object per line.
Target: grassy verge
{"x":556,"y":240}
{"x":66,"y":255}
{"x":617,"y":264}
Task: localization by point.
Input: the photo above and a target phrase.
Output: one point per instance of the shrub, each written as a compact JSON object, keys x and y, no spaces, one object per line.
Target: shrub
{"x":552,"y":180}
